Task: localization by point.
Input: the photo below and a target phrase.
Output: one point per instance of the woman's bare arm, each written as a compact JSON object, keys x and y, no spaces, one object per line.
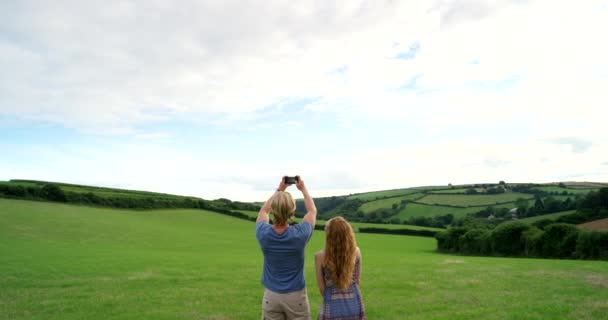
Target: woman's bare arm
{"x":358,"y":271}
{"x":319,"y":257}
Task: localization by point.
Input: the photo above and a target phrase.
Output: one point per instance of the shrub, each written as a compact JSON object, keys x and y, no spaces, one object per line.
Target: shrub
{"x":592,"y":245}
{"x":532,"y":242}
{"x":507,"y":238}
{"x":442,"y":243}
{"x":541,"y":224}
{"x":449,"y":240}
{"x":559,"y":240}
{"x":53,"y":192}
{"x":475,"y":241}
{"x":409,"y":232}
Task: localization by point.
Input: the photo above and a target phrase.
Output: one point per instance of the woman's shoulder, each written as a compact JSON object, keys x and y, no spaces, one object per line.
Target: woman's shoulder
{"x":320,"y":254}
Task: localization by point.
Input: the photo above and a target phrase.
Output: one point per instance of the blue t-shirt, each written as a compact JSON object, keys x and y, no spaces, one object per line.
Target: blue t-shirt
{"x":283,"y":256}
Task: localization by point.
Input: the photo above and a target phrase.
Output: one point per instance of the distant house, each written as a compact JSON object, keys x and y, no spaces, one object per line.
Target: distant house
{"x":513,"y":213}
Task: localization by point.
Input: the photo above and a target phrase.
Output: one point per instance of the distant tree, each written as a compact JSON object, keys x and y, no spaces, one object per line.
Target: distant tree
{"x":552,"y":204}
{"x":539,"y":206}
{"x":562,"y":185}
{"x":522,"y":207}
{"x":502,"y":183}
{"x":53,"y":192}
{"x":507,"y":238}
{"x":471,"y":191}
{"x":496,"y":190}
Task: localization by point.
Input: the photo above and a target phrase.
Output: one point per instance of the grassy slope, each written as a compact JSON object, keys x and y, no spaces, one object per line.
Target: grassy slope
{"x":448,"y":191}
{"x":69,"y":262}
{"x":387,"y":203}
{"x":597,"y":225}
{"x":381,"y":194}
{"x":551,"y":216}
{"x":473,"y":200}
{"x":99,"y":191}
{"x":421,"y":210}
{"x":569,"y":190}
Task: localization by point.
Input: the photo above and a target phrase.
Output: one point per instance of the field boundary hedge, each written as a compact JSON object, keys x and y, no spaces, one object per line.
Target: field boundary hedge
{"x":405,"y":232}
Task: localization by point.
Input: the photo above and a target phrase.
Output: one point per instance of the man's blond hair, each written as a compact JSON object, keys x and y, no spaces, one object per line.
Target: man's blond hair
{"x":282,"y":207}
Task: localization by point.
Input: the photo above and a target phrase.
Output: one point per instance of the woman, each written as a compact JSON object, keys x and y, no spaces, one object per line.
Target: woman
{"x":338,"y":269}
{"x":283,"y":247}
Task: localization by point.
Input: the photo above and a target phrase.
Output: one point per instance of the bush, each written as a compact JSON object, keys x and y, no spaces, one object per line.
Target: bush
{"x":53,"y":192}
{"x":532,"y":242}
{"x":507,"y":238}
{"x":408,"y":232}
{"x":449,"y":240}
{"x":543,"y":223}
{"x":559,"y":240}
{"x":442,"y":240}
{"x":592,"y":245}
{"x":475,"y":241}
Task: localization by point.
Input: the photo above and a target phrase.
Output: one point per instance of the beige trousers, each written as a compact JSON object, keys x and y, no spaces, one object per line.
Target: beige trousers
{"x":285,"y":306}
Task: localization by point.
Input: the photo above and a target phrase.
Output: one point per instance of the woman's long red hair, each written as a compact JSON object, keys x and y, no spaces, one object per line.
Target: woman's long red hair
{"x":340,"y":251}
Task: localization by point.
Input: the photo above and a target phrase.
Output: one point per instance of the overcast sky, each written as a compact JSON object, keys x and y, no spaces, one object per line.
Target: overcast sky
{"x":221,"y":98}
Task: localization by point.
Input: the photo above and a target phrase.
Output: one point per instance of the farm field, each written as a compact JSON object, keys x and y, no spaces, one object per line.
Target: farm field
{"x":568,"y":190}
{"x":72,"y":262}
{"x":382,"y":194}
{"x":387,"y":203}
{"x":586,"y":185}
{"x":473,"y":200}
{"x":599,"y":225}
{"x":456,"y":190}
{"x":423,"y":210}
{"x":551,"y":216}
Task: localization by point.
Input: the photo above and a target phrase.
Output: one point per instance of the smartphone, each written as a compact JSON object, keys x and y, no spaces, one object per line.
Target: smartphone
{"x":291,"y":180}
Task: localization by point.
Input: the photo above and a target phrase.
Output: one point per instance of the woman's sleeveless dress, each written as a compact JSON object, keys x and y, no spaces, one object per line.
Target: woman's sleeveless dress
{"x":343,"y":304}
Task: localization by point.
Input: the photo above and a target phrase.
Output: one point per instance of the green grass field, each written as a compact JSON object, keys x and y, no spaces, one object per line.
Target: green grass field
{"x":473,"y":200}
{"x":71,"y":262}
{"x":422,"y":210}
{"x":551,"y":216}
{"x":459,"y":190}
{"x":383,"y":194}
{"x":568,"y":190}
{"x":387,"y":203}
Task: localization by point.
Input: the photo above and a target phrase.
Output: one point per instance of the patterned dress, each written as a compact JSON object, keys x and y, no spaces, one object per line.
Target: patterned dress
{"x":342,"y":304}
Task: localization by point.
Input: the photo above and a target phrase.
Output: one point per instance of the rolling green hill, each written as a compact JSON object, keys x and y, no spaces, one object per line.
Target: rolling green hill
{"x":407,"y":206}
{"x":111,"y":197}
{"x":551,"y":216}
{"x":375,"y":195}
{"x":421,"y":210}
{"x":388,"y":202}
{"x":472,"y":200}
{"x":66,"y":262}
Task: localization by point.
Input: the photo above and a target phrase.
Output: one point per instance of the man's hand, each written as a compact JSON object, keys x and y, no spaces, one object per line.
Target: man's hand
{"x":300,"y":184}
{"x":282,"y":184}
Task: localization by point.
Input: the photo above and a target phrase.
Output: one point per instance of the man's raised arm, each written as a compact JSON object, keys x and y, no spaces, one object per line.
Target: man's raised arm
{"x":311,"y":209}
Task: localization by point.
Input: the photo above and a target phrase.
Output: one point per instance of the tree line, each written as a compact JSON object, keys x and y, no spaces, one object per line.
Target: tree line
{"x":53,"y":192}
{"x":556,"y":239}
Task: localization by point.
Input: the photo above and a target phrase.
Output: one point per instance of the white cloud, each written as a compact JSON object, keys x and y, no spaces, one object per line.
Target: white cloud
{"x":118,"y":64}
{"x":494,"y":83}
